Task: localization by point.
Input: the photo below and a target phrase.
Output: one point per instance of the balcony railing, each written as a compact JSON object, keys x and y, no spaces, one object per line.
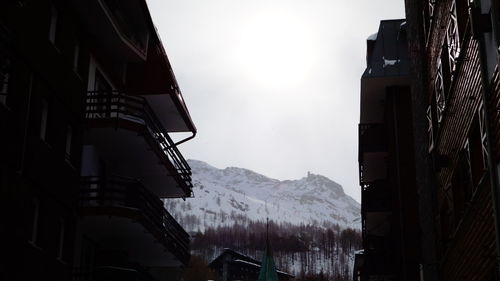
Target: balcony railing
{"x":376,"y":196}
{"x":371,"y":139}
{"x":5,"y":69}
{"x":135,"y":111}
{"x":129,"y":194}
{"x":129,"y":272}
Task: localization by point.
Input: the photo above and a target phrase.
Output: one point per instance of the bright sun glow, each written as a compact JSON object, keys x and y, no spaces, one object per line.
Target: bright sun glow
{"x":277,"y":49}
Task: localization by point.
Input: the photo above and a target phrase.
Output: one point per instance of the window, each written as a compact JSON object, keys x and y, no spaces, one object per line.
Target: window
{"x":62,"y":230}
{"x":483,"y":129}
{"x":428,"y":15}
{"x":35,"y":216}
{"x":44,"y":119}
{"x":458,"y":192}
{"x":76,"y":56}
{"x":104,"y":90}
{"x":53,"y":25}
{"x":87,"y":258}
{"x":430,"y":7}
{"x":439,"y":93}
{"x":81,"y":59}
{"x":69,"y":137}
{"x":4,"y":78}
{"x":465,"y":171}
{"x":476,"y":152}
{"x":446,"y":217}
{"x":430,"y":128}
{"x":462,"y":183}
{"x":452,"y":38}
{"x":445,"y":70}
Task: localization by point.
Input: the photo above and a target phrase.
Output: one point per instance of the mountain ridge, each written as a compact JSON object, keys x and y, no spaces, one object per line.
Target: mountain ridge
{"x":234,"y":195}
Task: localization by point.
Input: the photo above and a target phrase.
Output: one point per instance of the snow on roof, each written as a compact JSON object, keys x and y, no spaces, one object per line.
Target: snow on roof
{"x":258,"y":265}
{"x":247,"y":262}
{"x":362,"y":251}
{"x":389,"y":62}
{"x":372,"y":37}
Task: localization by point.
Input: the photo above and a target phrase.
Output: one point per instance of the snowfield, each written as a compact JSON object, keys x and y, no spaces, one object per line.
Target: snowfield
{"x":236,"y":195}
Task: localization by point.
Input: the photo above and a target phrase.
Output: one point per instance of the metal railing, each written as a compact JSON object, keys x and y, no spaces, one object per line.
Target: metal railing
{"x":370,"y":139}
{"x":120,"y":192}
{"x":115,"y":105}
{"x":110,"y":272}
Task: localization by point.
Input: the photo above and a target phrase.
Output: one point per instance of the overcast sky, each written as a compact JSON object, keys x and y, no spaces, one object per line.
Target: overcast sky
{"x":273,"y":86}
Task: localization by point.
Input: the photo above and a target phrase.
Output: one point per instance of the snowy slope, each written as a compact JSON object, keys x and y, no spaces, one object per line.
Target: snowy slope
{"x":236,"y":195}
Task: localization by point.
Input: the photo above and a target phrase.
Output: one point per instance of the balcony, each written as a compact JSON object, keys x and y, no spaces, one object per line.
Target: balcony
{"x":120,"y":214}
{"x":372,"y":152}
{"x":372,"y":137}
{"x":133,"y":141}
{"x":5,"y":71}
{"x":378,"y":266}
{"x":123,"y":26}
{"x":376,"y":197}
{"x":376,"y":224}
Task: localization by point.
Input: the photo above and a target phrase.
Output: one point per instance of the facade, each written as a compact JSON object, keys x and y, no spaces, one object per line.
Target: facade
{"x":386,"y":161}
{"x":452,"y":152}
{"x":87,"y":102}
{"x":231,"y":265}
{"x":455,"y":47}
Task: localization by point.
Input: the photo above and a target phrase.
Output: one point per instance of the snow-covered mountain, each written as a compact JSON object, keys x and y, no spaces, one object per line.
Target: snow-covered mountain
{"x":236,"y":195}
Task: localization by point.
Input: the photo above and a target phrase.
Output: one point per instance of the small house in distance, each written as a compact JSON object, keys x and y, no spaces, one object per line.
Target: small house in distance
{"x":231,"y":265}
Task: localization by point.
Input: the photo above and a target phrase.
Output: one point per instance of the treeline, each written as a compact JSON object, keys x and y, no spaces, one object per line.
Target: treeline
{"x":310,"y":252}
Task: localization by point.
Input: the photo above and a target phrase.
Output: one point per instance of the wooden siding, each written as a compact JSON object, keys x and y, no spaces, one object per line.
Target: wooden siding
{"x":463,"y":102}
{"x":471,"y":253}
{"x":468,"y":253}
{"x":495,"y":113}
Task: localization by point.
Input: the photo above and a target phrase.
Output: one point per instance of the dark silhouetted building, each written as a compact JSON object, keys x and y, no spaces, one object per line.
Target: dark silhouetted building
{"x":87,"y":102}
{"x":386,"y":164}
{"x":231,"y":265}
{"x":451,"y":152}
{"x":455,"y":63}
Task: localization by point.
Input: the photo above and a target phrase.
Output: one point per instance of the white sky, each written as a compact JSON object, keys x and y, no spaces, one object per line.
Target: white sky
{"x":273,"y":86}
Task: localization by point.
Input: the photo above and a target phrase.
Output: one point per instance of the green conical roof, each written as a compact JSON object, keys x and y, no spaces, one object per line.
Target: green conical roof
{"x":268,"y":268}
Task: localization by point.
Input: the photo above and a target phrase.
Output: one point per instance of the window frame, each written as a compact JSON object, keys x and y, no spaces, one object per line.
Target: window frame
{"x":62,"y":237}
{"x":430,"y":128}
{"x":53,"y":24}
{"x":453,"y":38}
{"x":68,"y":142}
{"x":44,"y":118}
{"x":439,"y":93}
{"x":35,"y":222}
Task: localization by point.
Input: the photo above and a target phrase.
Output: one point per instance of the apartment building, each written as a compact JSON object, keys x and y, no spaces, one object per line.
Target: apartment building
{"x":88,"y":101}
{"x":386,"y":161}
{"x":455,"y":47}
{"x":455,"y":119}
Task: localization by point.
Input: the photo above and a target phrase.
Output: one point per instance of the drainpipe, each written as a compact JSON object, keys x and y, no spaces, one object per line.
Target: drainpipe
{"x":496,"y":29}
{"x":186,"y":139}
{"x":492,"y":170}
{"x":26,"y":126}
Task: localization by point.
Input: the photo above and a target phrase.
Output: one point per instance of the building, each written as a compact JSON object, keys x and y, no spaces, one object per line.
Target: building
{"x":455,"y":63}
{"x":386,"y":161}
{"x":231,"y":265}
{"x":87,"y":102}
{"x":453,"y":154}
